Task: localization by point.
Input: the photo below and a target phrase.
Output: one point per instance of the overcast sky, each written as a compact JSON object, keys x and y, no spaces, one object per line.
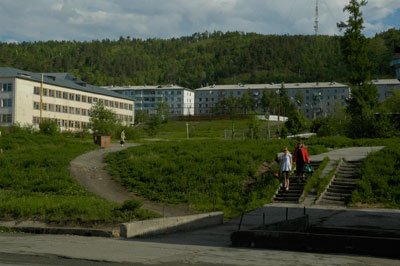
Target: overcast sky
{"x":85,"y":20}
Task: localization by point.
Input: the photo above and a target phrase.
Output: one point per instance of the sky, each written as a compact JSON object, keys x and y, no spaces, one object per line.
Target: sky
{"x":86,"y":20}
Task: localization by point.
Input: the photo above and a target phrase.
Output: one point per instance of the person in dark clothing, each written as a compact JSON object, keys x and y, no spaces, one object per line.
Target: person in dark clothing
{"x":301,"y":159}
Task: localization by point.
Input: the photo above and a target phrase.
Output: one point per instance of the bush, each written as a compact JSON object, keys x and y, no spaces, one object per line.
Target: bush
{"x":49,"y":127}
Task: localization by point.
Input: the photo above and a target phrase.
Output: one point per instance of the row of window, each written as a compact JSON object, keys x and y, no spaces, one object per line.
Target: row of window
{"x":6,"y":118}
{"x":147,"y":92}
{"x":6,"y":87}
{"x":81,"y":98}
{"x":63,"y":123}
{"x":4,"y":103}
{"x":61,"y":109}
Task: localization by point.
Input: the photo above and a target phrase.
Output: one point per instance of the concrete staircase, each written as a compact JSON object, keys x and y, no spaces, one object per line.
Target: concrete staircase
{"x":339,"y":191}
{"x":296,"y":188}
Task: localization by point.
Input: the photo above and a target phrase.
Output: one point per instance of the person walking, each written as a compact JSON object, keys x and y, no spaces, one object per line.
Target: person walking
{"x":301,"y":158}
{"x":122,"y":142}
{"x":286,"y":167}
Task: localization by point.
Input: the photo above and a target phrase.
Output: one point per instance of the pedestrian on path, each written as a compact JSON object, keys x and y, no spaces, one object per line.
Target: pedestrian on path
{"x":301,"y":158}
{"x":122,"y":142}
{"x":286,"y":167}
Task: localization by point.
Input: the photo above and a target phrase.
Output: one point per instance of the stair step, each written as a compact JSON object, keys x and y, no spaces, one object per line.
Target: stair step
{"x":334,"y":198}
{"x":336,"y":194}
{"x":348,"y":183}
{"x":339,"y":190}
{"x":343,"y":180}
{"x":287,"y":198}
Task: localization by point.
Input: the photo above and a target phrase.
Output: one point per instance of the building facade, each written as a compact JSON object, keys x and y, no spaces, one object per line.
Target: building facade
{"x":27,"y":98}
{"x":386,"y":88}
{"x":319,"y":99}
{"x":147,"y":98}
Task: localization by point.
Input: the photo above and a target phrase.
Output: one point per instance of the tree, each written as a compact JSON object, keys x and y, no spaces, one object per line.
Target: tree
{"x":355,"y":45}
{"x":363,"y":99}
{"x":103,"y":120}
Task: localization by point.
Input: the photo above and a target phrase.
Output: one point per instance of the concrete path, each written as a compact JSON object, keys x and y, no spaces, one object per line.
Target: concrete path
{"x":349,"y":154}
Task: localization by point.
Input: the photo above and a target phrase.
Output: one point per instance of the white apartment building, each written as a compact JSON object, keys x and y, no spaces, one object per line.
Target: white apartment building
{"x":318,"y":98}
{"x":27,"y":97}
{"x":180,"y":100}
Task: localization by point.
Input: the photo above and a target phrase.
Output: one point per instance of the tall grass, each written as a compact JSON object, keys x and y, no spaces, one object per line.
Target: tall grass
{"x":380,"y":179}
{"x":35,"y":182}
{"x":208,"y":174}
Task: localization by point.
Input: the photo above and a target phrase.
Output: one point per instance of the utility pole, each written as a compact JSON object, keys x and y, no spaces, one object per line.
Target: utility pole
{"x":316,"y":18}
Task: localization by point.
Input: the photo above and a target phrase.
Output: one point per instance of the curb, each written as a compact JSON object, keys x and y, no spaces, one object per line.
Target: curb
{"x":170,"y":224}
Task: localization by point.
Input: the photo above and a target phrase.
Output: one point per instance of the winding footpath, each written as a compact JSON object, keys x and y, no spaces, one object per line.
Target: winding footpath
{"x":88,"y":170}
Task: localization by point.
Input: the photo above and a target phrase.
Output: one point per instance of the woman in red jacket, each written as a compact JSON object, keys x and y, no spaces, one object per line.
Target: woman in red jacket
{"x":300,"y":156}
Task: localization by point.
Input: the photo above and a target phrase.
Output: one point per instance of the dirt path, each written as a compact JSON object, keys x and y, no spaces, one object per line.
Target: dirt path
{"x":88,"y":170}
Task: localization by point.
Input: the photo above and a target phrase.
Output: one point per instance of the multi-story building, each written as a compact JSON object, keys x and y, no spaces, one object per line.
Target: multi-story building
{"x":318,"y":98}
{"x":27,"y":97}
{"x":396,"y":62}
{"x":386,"y":88}
{"x":147,"y":98}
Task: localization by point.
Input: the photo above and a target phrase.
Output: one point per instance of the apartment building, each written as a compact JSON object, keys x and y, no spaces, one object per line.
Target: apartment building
{"x":319,"y":99}
{"x":180,"y":100}
{"x":28,"y":97}
{"x":386,"y":88}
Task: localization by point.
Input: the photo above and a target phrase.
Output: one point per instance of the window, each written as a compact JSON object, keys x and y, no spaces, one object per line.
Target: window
{"x":77,"y":97}
{"x":71,"y":96}
{"x":7,"y":118}
{"x":7,"y":87}
{"x":89,"y":99}
{"x":71,"y":110}
{"x":58,"y":94}
{"x":52,"y":93}
{"x":44,"y":92}
{"x":78,"y":111}
{"x":65,"y":109}
{"x":35,"y":105}
{"x":51,"y":107}
{"x":84,"y":112}
{"x":58,"y":108}
{"x":65,"y":95}
{"x":6,"y":103}
{"x":36,"y":90}
{"x":84,"y":98}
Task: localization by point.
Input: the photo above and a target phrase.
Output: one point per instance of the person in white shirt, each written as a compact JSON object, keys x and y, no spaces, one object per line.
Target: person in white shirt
{"x":286,"y":166}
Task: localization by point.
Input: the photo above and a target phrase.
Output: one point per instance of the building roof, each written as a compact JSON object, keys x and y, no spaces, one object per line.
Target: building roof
{"x":147,"y":87}
{"x":308,"y":85}
{"x":386,"y":82}
{"x":59,"y":79}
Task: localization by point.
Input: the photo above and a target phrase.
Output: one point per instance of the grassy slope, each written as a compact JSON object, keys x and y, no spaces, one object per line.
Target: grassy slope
{"x":35,"y":182}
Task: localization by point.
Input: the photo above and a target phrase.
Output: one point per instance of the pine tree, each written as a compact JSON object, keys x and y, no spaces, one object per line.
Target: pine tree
{"x":363,"y":99}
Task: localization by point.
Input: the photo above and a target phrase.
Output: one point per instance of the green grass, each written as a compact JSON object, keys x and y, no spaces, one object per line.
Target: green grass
{"x":314,"y":181}
{"x":207,"y":174}
{"x":35,"y":182}
{"x":380,"y":179}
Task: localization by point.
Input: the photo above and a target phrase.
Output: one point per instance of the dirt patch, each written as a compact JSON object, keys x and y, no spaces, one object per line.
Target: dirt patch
{"x":88,"y":170}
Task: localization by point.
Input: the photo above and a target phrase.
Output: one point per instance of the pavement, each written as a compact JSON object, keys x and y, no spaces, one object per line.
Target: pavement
{"x":348,"y":154}
{"x":209,"y":246}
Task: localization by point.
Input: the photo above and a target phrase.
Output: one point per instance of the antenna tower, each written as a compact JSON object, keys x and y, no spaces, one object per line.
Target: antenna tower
{"x":316,"y":18}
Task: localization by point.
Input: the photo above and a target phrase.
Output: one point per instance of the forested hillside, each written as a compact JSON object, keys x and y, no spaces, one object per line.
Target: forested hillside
{"x":203,"y":58}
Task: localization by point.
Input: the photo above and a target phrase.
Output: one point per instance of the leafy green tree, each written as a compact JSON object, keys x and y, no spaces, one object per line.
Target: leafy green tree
{"x":246,"y":102}
{"x":103,"y":120}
